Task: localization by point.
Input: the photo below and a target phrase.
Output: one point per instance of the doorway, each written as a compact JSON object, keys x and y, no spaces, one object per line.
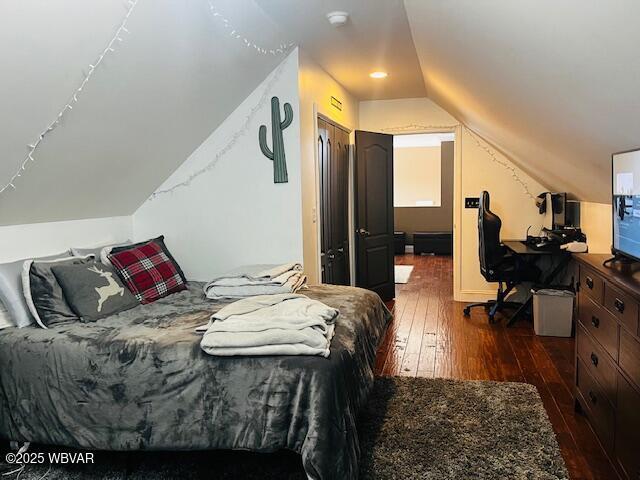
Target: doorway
{"x":423,"y":199}
{"x":366,"y":200}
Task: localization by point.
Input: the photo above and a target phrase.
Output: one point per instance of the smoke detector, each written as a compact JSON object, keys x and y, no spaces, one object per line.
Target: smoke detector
{"x":337,"y":18}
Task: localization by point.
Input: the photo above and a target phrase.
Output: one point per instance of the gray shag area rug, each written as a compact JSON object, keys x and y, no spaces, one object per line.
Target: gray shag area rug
{"x":411,"y":428}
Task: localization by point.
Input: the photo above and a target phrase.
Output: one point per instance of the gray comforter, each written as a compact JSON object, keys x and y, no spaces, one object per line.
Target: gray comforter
{"x":139,"y":380}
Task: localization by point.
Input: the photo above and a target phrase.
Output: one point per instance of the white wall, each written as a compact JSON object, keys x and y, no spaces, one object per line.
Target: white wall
{"x":40,"y":239}
{"x":377,"y":115}
{"x":234,"y":214}
{"x":316,"y":90}
{"x":509,"y":201}
{"x":475,"y":171}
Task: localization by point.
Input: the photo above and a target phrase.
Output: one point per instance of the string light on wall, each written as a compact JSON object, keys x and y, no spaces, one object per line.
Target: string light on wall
{"x":480,"y":143}
{"x":233,"y":32}
{"x":415,"y":128}
{"x":73,"y":99}
{"x":504,"y":164}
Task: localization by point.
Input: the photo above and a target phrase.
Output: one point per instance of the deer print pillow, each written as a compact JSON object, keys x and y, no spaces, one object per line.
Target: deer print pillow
{"x":94,"y":290}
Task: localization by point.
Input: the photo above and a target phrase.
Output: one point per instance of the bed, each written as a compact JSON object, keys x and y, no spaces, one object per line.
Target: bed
{"x":139,"y":381}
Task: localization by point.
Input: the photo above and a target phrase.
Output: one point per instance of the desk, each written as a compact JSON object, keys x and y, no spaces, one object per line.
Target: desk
{"x":520,"y":247}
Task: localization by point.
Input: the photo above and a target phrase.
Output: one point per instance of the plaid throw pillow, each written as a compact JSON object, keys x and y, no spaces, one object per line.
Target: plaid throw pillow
{"x":148,"y":272}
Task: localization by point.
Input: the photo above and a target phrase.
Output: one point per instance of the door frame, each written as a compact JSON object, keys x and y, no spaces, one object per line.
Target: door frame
{"x":350,"y":196}
{"x":457,"y":195}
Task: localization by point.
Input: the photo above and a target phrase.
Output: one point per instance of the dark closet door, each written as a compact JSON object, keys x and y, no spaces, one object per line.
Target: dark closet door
{"x":339,"y":242}
{"x":325,"y":131}
{"x":333,"y":155}
{"x":374,"y":213}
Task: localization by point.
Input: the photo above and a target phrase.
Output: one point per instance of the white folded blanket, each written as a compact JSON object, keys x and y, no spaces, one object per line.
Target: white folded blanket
{"x":284,"y":324}
{"x":255,"y":274}
{"x":255,"y":280}
{"x":268,"y":350}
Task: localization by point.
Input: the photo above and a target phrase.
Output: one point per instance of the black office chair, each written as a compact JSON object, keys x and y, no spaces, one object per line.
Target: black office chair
{"x":497,"y":264}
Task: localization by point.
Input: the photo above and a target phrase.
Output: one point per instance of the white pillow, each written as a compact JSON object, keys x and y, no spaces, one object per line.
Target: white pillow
{"x":95,"y":250}
{"x":5,"y":319}
{"x":11,"y":291}
{"x":104,"y":253}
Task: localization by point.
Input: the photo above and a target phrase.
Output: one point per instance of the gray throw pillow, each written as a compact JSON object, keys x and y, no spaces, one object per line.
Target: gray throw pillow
{"x":94,"y":290}
{"x":43,"y":294}
{"x":11,"y":293}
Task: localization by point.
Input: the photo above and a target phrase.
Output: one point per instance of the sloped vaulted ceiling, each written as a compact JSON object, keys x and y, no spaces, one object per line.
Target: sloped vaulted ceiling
{"x":376,"y":37}
{"x":553,"y":84}
{"x":175,"y":77}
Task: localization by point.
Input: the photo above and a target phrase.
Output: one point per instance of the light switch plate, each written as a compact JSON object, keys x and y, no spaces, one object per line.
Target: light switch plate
{"x":472,"y":202}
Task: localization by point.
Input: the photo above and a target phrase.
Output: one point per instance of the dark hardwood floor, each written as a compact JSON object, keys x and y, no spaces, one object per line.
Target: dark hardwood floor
{"x":430,"y":337}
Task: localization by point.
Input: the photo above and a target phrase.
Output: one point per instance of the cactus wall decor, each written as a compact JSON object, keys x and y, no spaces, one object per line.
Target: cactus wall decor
{"x":277,"y":156}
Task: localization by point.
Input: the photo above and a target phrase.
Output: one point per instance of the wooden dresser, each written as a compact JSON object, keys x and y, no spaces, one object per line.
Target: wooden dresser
{"x":608,"y":356}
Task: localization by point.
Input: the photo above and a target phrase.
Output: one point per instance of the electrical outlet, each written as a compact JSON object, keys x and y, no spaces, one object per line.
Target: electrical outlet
{"x":472,"y":202}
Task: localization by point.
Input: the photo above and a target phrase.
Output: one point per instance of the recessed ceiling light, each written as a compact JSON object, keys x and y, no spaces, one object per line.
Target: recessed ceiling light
{"x":378,"y":74}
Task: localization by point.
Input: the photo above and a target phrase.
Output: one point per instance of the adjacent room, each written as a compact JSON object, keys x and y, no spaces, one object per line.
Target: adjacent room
{"x":341,"y":239}
{"x":422,"y":198}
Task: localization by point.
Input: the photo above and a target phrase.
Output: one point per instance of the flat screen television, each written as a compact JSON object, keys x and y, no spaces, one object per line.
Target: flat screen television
{"x":626,"y":203}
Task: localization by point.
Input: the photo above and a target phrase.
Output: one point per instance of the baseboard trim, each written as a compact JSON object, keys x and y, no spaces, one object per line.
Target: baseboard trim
{"x":475,"y":295}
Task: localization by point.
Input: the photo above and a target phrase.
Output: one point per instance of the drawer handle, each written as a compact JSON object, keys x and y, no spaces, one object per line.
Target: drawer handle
{"x":594,"y":359}
{"x":595,"y":321}
{"x":589,"y":282}
{"x":593,"y":397}
{"x":619,"y":304}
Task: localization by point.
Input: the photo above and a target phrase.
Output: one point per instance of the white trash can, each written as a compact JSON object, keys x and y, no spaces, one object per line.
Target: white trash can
{"x":553,"y":312}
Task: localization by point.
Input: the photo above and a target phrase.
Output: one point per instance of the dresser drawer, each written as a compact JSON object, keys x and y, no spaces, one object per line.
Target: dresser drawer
{"x":623,"y":307}
{"x":592,"y":284}
{"x":598,"y":363}
{"x":630,"y":357}
{"x":596,"y":406}
{"x":628,"y":428}
{"x":601,"y":324}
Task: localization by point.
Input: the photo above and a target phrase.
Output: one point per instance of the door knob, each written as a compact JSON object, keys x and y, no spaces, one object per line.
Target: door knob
{"x":363,"y":232}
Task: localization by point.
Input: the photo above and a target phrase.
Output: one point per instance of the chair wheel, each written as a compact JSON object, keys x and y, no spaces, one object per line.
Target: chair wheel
{"x":467,"y":311}
{"x":492,"y":319}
